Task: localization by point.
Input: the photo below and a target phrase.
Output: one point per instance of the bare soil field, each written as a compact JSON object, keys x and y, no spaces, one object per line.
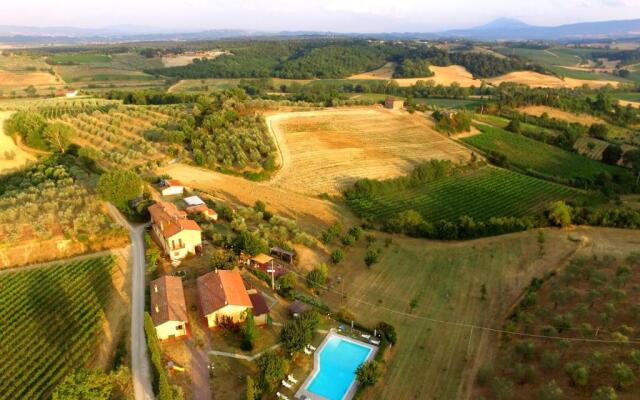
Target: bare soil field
{"x":23,"y":79}
{"x":187,"y":58}
{"x":324,"y":151}
{"x":535,"y":79}
{"x":384,"y":72}
{"x":313,"y":214}
{"x":564,"y":115}
{"x":11,"y":156}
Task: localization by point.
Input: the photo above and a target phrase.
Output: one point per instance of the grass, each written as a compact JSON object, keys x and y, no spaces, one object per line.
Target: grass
{"x":451,"y":103}
{"x":550,"y":57}
{"x":79,"y":58}
{"x":88,"y":73}
{"x":529,"y":154}
{"x":585,"y":75}
{"x":631,"y":96}
{"x":55,"y":314}
{"x":432,"y":360}
{"x":614,"y":312}
{"x":481,"y":194}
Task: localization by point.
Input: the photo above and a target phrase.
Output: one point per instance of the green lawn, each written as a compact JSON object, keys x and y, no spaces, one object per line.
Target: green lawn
{"x":530,"y":154}
{"x":481,"y":194}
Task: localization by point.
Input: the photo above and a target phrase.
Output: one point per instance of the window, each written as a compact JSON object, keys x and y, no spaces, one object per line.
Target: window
{"x":179,"y":327}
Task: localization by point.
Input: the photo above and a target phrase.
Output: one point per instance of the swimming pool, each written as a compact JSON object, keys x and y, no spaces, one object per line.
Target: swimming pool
{"x":334,"y":373}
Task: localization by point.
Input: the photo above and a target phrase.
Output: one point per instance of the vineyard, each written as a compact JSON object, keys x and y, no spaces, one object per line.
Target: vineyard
{"x":481,"y":194}
{"x":116,"y":137}
{"x":529,"y":154}
{"x":55,"y":314}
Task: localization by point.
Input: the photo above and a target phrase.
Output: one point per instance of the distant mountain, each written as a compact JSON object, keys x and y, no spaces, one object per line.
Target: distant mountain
{"x":512,"y":29}
{"x":500,"y":29}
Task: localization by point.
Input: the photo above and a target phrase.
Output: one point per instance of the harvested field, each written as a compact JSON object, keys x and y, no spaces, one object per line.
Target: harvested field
{"x":11,"y":156}
{"x":311,"y":213}
{"x":583,"y":119}
{"x":384,"y":72}
{"x":23,"y":79}
{"x":445,"y":76}
{"x":625,"y":103}
{"x":535,"y":79}
{"x":324,"y":151}
{"x":187,"y":58}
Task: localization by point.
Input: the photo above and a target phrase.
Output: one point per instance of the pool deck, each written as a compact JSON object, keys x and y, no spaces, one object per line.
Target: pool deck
{"x":303,"y":393}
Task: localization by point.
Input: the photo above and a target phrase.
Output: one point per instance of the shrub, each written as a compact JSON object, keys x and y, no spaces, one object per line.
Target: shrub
{"x":502,"y":388}
{"x":272,"y":369}
{"x":623,"y":375}
{"x":317,"y":277}
{"x":368,"y":373}
{"x":388,"y":331}
{"x":550,"y":360}
{"x":578,"y":373}
{"x":336,"y":256}
{"x":550,"y":391}
{"x":526,"y":349}
{"x":604,"y":393}
{"x":371,"y":257}
{"x":485,"y":375}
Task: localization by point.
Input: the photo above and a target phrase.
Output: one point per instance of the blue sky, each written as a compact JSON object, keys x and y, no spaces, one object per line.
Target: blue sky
{"x":322,"y":15}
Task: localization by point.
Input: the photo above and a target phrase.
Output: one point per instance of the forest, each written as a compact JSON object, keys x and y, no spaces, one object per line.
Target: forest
{"x":326,"y":58}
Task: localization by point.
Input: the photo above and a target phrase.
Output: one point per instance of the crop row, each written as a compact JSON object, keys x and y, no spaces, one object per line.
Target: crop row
{"x":483,"y":194}
{"x":54,"y":314}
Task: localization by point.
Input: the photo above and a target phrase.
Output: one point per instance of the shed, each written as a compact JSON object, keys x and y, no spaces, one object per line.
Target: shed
{"x":393,"y":104}
{"x":193,"y":201}
{"x":297,"y":307}
{"x":171,"y":187}
{"x":285,"y":255}
{"x":260,"y":308}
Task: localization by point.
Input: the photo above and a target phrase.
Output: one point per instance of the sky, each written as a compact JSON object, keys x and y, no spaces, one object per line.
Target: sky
{"x":316,"y":15}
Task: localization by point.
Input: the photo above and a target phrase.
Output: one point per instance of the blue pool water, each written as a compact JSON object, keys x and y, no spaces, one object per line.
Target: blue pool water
{"x":339,"y":360}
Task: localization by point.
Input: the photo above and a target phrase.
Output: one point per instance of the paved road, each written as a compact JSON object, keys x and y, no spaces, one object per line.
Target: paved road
{"x":139,"y":358}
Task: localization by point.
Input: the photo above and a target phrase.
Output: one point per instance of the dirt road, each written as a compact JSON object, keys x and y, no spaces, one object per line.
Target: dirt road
{"x":140,"y":369}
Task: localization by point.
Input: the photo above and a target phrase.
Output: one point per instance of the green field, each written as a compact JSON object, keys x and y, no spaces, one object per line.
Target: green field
{"x":530,"y":154}
{"x":586,"y":75}
{"x":545,"y":57}
{"x":631,"y":96}
{"x":432,"y":360}
{"x":451,"y":103}
{"x":88,"y":73}
{"x":481,"y":194}
{"x":55,"y":314}
{"x":79,"y":58}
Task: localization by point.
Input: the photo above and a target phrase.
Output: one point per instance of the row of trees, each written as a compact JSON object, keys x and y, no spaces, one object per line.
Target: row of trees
{"x":38,"y":133}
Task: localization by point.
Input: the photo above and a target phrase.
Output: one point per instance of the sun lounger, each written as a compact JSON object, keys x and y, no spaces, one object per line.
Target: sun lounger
{"x":281,"y":396}
{"x":286,"y":384}
{"x":292,"y":379}
{"x":307,"y":351}
{"x":310,"y":347}
{"x":366,"y":336}
{"x":375,"y":341}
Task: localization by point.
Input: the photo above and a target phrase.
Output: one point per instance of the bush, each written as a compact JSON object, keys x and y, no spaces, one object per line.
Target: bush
{"x":317,"y":277}
{"x":605,"y":393}
{"x":550,"y":360}
{"x":623,"y":375}
{"x":371,"y":257}
{"x":485,"y":375}
{"x":388,"y":332}
{"x":336,"y":256}
{"x":578,"y":373}
{"x":368,"y":373}
{"x":526,"y":349}
{"x":550,"y":391}
{"x":502,"y":388}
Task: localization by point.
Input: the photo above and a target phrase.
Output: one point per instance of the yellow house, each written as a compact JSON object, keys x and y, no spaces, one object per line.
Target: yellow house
{"x":168,"y":308}
{"x":223,"y":295}
{"x":177,"y":235}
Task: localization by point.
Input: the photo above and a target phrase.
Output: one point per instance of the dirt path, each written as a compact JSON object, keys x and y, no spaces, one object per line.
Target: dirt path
{"x":140,"y":368}
{"x":200,"y":389}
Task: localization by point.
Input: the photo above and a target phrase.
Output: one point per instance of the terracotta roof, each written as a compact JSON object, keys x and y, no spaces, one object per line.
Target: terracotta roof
{"x":170,"y":219}
{"x":259,"y":304}
{"x":171,"y":182}
{"x":262,"y":258}
{"x":167,"y":300}
{"x":200,"y":208}
{"x":220,"y":288}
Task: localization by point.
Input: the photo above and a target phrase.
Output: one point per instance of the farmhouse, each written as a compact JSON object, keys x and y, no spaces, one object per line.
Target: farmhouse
{"x":168,"y":308}
{"x":171,"y":187}
{"x":177,"y":235}
{"x":393,"y":104}
{"x":66,"y":93}
{"x":223,"y":296}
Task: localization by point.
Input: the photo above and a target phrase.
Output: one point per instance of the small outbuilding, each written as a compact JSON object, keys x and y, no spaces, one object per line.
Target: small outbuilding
{"x":393,"y":104}
{"x":297,"y":307}
{"x":171,"y":187}
{"x":260,"y":308}
{"x":168,"y":308}
{"x":193,"y":201}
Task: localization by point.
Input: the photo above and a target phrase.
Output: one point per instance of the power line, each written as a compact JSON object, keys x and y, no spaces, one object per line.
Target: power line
{"x":469,"y":325}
